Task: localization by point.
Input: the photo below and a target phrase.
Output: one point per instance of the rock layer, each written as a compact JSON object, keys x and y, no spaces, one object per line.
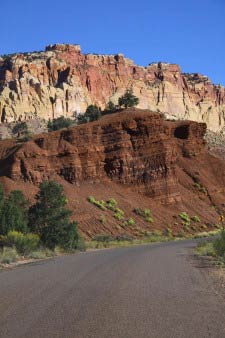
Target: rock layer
{"x":135,"y":148}
{"x":63,"y":81}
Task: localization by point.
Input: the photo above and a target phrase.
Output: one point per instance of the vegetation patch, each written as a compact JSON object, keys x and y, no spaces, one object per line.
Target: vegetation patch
{"x":130,"y":221}
{"x":60,"y":123}
{"x":185,"y":217}
{"x":200,"y":187}
{"x":102,"y":219}
{"x":100,"y":204}
{"x":144,"y":213}
{"x":33,"y":231}
{"x":119,"y":214}
{"x":196,"y":219}
{"x":214,"y":248}
{"x":111,"y":204}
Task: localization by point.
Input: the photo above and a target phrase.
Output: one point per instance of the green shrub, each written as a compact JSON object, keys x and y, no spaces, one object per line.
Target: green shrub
{"x":185,"y":217}
{"x":102,"y":219}
{"x":92,"y":114}
{"x":119,"y":214}
{"x":157,"y":233}
{"x":100,"y":204}
{"x":196,"y":219}
{"x":103,"y":238}
{"x":8,"y":255}
{"x":146,"y":214}
{"x":40,"y":254}
{"x":180,"y":234}
{"x":130,"y":221}
{"x":21,"y":129}
{"x":168,"y":232}
{"x":112,"y":204}
{"x":81,"y":244}
{"x":110,"y":108}
{"x":149,"y":219}
{"x":203,"y":226}
{"x":205,"y":249}
{"x":138,"y":211}
{"x":200,"y":187}
{"x":59,"y":123}
{"x":124,"y":237}
{"x":24,"y":243}
{"x":219,"y":244}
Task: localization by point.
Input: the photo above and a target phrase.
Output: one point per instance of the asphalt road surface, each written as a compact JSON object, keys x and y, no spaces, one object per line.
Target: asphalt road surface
{"x":137,"y":292}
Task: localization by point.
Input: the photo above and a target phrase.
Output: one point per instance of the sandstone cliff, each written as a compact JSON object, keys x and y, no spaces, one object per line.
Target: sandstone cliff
{"x":61,"y":81}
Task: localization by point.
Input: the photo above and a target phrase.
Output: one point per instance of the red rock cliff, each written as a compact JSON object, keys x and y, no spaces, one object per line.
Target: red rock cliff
{"x":134,"y":148}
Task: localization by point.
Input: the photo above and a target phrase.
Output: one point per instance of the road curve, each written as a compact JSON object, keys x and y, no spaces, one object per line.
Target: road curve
{"x":154,"y":291}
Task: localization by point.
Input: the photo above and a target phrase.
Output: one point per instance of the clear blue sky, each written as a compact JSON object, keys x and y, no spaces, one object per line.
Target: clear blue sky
{"x":188,"y":32}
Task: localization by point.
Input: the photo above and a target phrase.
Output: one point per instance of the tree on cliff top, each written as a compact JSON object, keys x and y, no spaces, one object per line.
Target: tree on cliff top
{"x":128,"y":100}
{"x":92,"y":114}
{"x":59,"y":123}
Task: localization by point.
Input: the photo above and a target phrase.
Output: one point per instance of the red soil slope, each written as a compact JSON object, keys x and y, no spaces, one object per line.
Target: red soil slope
{"x":134,"y":156}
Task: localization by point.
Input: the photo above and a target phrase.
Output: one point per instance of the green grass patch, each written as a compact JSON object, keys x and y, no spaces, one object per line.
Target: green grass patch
{"x":214,"y":248}
{"x":205,"y":249}
{"x":8,"y":255}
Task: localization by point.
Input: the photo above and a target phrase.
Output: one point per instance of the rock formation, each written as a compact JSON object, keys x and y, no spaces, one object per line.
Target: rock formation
{"x":63,"y":81}
{"x":133,"y":148}
{"x":134,"y":156}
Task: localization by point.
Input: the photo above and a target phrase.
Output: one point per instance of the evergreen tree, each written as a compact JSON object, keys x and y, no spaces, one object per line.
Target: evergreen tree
{"x":110,"y":108}
{"x":128,"y":100}
{"x":59,"y":123}
{"x":50,"y":218}
{"x":92,"y":114}
{"x":21,"y":129}
{"x":14,"y":213}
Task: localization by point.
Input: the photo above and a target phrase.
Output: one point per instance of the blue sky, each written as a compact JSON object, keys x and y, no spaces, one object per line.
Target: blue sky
{"x":188,"y":32}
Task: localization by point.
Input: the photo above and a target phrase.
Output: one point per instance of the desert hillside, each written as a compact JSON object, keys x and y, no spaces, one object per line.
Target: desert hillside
{"x":135,"y":157}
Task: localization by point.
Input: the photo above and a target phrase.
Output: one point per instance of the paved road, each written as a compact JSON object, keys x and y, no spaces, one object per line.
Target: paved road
{"x":138,"y":292}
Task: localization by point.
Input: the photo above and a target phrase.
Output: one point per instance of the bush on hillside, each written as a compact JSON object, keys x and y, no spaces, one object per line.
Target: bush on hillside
{"x":24,"y":243}
{"x":92,"y":114}
{"x":110,"y":108}
{"x":60,"y":123}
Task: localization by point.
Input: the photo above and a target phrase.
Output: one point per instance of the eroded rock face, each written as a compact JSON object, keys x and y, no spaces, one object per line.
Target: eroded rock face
{"x":62,"y":81}
{"x":134,"y":148}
